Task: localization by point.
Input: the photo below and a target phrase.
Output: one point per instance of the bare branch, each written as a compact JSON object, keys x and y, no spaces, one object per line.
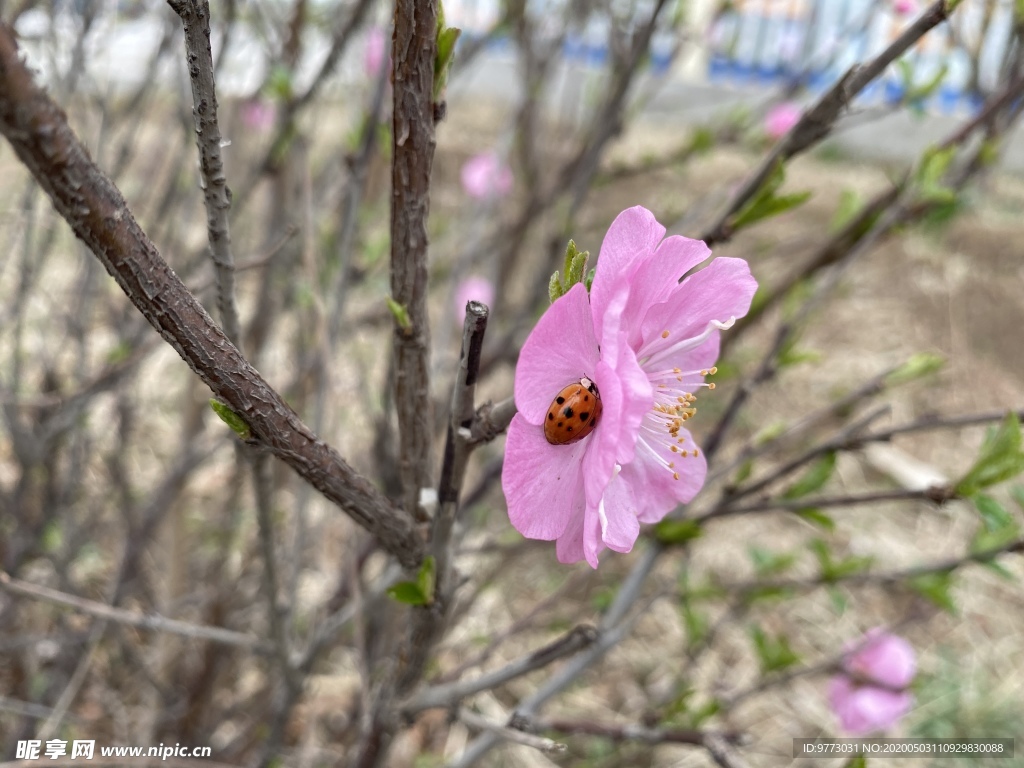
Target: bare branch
{"x":195,"y":18}
{"x":38,"y":131}
{"x":130,"y":618}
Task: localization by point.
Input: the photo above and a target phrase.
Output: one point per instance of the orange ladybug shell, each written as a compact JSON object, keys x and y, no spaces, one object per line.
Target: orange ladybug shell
{"x":573,"y":413}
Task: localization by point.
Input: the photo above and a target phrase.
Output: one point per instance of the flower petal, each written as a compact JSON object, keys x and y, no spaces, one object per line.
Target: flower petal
{"x":719,"y":293}
{"x":617,"y":514}
{"x":657,"y":277}
{"x":631,"y":238}
{"x":543,"y":483}
{"x":656,"y":491}
{"x":888,"y":659}
{"x":866,"y":709}
{"x":571,"y":546}
{"x":559,"y":350}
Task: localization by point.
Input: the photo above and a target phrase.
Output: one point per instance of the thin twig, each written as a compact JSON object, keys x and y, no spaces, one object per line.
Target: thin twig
{"x":450,"y":694}
{"x":152,"y":622}
{"x":195,"y":18}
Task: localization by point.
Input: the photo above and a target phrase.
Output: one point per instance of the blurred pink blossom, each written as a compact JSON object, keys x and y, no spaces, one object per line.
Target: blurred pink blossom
{"x":486,"y":176}
{"x":781,"y":118}
{"x":374,"y":52}
{"x":472,"y":288}
{"x":862,"y":707}
{"x":258,"y":114}
{"x":904,"y":7}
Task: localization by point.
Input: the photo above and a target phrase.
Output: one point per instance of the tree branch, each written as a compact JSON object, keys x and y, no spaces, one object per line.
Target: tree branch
{"x":413,"y":144}
{"x":97,"y":213}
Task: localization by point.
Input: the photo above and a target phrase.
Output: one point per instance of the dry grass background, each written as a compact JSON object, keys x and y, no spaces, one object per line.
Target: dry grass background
{"x":953,"y":292}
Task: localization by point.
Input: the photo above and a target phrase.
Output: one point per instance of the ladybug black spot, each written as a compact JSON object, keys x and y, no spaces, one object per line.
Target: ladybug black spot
{"x":568,"y":429}
{"x":586,"y":398}
{"x":561,"y":423}
{"x":568,"y":413}
{"x":551,"y":417}
{"x":559,"y":399}
{"x":585,"y":415}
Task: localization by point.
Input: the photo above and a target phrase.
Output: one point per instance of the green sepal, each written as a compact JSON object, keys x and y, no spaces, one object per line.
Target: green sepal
{"x":574,"y":270}
{"x":232,"y":419}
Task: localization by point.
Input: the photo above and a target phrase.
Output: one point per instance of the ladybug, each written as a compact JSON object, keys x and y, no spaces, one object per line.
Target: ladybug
{"x":573,"y":413}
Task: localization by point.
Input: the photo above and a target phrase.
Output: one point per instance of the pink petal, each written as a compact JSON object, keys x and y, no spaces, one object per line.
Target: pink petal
{"x":618,"y":517}
{"x":885,"y":658}
{"x":542,"y":482}
{"x":486,"y":176}
{"x":570,"y":547}
{"x":656,"y":492}
{"x":720,"y":292}
{"x":631,"y":238}
{"x":600,"y":460}
{"x":862,"y":710}
{"x":657,"y":277}
{"x":472,"y":288}
{"x":592,"y":543}
{"x":559,"y":350}
{"x":781,"y":118}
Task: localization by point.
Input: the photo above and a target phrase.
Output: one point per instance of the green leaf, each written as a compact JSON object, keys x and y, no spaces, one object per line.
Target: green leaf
{"x":772,"y":206}
{"x":1017,"y":491}
{"x":446,"y":38}
{"x":232,"y":419}
{"x":677,"y":531}
{"x":743,"y":472}
{"x":408,"y":592}
{"x":832,"y":569}
{"x":419,"y":592}
{"x":917,"y":367}
{"x":998,"y":527}
{"x":936,"y":588}
{"x":1000,"y":458}
{"x":427,"y":577}
{"x":850,"y":205}
{"x":400,"y":313}
{"x":774,"y":652}
{"x":856,"y":762}
{"x":819,"y":518}
{"x":792,"y":355}
{"x":768,"y":564}
{"x":838,"y":599}
{"x":696,"y":624}
{"x":814,"y":478}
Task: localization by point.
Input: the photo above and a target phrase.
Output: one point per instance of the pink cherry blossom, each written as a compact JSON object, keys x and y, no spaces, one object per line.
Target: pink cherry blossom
{"x":473,"y":288}
{"x":904,"y":7}
{"x":486,"y":176}
{"x":781,"y":118}
{"x":646,"y":341}
{"x":863,"y":708}
{"x":374,"y":52}
{"x":258,"y":114}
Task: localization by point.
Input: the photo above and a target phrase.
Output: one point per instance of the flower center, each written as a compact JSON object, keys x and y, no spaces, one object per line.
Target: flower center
{"x":674,"y":405}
